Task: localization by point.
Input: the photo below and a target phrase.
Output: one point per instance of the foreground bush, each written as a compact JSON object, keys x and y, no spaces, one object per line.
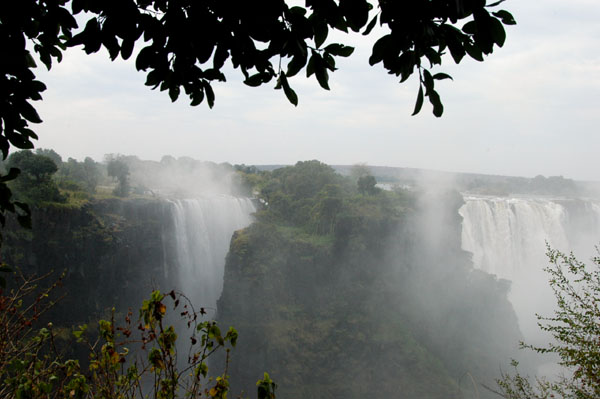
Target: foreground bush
{"x":575,"y":328}
{"x":137,"y":359}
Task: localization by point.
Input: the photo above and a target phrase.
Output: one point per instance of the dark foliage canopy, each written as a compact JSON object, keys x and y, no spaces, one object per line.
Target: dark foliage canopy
{"x":35,"y":184}
{"x":185,"y":44}
{"x":39,"y":167}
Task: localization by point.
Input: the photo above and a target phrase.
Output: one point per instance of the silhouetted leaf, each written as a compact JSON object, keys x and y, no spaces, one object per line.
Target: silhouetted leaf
{"x":29,"y":113}
{"x":298,"y":10}
{"x":92,"y":36}
{"x":255,"y":80}
{"x":111,"y":43}
{"x":341,"y":25}
{"x":220,"y":56}
{"x":174,"y":92}
{"x":329,"y":61}
{"x":144,"y":58}
{"x":11,"y":175}
{"x":454,"y":41}
{"x":442,"y":76}
{"x":427,"y":81}
{"x":30,"y":61}
{"x":505,"y":16}
{"x":370,"y":26}
{"x":321,"y":31}
{"x":474,"y":52}
{"x":434,"y":99}
{"x":322,"y":76}
{"x":296,"y":64}
{"x":379,"y":49}
{"x":407,"y":65}
{"x":38,"y":86}
{"x":214,"y":74}
{"x":470,"y":27}
{"x":356,"y":12}
{"x":289,"y":92}
{"x":497,"y":31}
{"x":127,"y":48}
{"x":210,"y":94}
{"x":419,"y":103}
{"x":197,"y":98}
{"x":310,"y":68}
{"x":339,"y":49}
{"x":154,"y":78}
{"x":496,"y":3}
{"x":28,"y":132}
{"x":77,"y":6}
{"x":433,"y":56}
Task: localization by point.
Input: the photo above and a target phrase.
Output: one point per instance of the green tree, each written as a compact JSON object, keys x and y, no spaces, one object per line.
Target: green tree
{"x":306,"y":178}
{"x":366,"y":184}
{"x":84,"y":173}
{"x":117,"y":168}
{"x":329,"y":203}
{"x":36,"y":184}
{"x":37,"y":167}
{"x":91,"y":174}
{"x":575,"y":328}
{"x":50,"y":153}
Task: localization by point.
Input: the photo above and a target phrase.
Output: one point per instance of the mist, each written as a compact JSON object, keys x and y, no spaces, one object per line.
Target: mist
{"x":207,"y":203}
{"x":507,"y":227}
{"x":182,"y":177}
{"x":462,"y":238}
{"x":389,"y":281}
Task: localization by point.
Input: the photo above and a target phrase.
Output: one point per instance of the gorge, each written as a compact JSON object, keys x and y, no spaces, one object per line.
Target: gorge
{"x":336,"y":289}
{"x":202,"y":229}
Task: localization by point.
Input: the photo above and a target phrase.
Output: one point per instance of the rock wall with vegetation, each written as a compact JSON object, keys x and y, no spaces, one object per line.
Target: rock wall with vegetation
{"x":113,"y":252}
{"x":341,"y":290}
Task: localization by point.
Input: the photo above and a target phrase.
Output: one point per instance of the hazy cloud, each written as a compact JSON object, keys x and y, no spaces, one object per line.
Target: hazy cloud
{"x":531,"y":108}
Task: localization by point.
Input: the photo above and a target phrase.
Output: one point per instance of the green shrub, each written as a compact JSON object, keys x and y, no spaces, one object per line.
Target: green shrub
{"x":575,"y":328}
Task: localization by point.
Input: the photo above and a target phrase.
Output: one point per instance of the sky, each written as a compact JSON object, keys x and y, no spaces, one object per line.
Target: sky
{"x":532,"y":107}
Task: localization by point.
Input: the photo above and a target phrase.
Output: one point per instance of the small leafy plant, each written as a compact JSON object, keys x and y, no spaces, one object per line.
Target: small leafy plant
{"x":137,"y":359}
{"x":575,"y":327}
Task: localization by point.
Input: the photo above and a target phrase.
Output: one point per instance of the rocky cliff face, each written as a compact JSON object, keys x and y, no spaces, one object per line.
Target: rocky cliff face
{"x":386,"y":306}
{"x":113,"y":253}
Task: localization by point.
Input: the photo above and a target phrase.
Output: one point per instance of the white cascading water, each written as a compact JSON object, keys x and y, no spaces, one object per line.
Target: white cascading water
{"x":507,"y":237}
{"x":203,"y":228}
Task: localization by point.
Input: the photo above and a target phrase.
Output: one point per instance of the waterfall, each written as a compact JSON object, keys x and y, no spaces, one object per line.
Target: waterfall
{"x":507,"y":237}
{"x":203,"y":228}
